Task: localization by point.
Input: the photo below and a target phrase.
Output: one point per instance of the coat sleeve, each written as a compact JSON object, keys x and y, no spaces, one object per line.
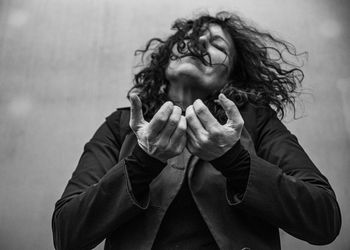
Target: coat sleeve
{"x":285,"y":188}
{"x":97,"y":198}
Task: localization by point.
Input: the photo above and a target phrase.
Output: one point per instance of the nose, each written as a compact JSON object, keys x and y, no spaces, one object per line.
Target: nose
{"x":203,"y":41}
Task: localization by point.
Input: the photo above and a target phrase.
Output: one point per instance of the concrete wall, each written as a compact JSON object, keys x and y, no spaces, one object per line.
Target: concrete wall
{"x":65,"y":65}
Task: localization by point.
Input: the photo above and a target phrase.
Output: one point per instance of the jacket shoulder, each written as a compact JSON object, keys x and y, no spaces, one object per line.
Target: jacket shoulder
{"x":256,"y":117}
{"x":118,"y":123}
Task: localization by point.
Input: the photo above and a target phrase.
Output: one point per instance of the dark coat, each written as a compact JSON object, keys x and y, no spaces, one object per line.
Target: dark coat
{"x":285,"y":190}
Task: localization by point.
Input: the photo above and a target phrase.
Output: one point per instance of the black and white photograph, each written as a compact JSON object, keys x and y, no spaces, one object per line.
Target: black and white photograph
{"x":174,"y":125}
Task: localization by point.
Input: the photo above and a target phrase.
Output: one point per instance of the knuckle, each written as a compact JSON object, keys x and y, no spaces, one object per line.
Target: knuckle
{"x":190,"y":119}
{"x":182,"y":131}
{"x":172,"y":122}
{"x":205,"y":140}
{"x":182,"y":128}
{"x":214,"y":132}
{"x":162,"y":145}
{"x":201,"y":109}
{"x":205,"y":137}
{"x":179,"y":133}
{"x":162,"y":119}
{"x":189,"y":115}
{"x":178,"y":150}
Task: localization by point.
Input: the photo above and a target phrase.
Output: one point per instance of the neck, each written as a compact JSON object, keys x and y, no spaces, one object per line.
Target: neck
{"x":184,"y":95}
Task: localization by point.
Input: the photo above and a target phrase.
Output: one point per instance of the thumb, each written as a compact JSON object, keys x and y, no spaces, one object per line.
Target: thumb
{"x":233,"y":115}
{"x":136,"y":115}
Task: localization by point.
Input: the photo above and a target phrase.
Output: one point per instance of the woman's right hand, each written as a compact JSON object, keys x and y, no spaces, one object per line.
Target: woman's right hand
{"x":165,"y":135}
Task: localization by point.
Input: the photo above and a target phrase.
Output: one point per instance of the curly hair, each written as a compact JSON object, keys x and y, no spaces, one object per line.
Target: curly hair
{"x":261,"y":73}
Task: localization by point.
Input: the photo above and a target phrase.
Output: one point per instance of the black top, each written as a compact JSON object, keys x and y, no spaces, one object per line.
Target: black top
{"x":183,"y":226}
{"x":284,"y":190}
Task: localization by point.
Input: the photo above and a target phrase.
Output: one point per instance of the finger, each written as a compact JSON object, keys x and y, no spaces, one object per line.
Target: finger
{"x":160,"y":118}
{"x":190,"y":145}
{"x":172,"y":123}
{"x":136,"y":116}
{"x":231,"y":110}
{"x":181,"y":145}
{"x":193,"y":122}
{"x":190,"y":134}
{"x":178,"y":144}
{"x":179,"y":132}
{"x":205,"y":116}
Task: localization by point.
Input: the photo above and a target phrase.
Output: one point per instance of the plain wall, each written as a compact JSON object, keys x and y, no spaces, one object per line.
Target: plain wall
{"x":66,"y":65}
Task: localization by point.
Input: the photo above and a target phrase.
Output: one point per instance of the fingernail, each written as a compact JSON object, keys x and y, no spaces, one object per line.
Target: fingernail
{"x":222,"y":96}
{"x":169,"y":103}
{"x":198,"y":101}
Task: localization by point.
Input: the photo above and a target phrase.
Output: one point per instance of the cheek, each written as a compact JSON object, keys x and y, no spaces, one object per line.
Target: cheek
{"x":219,"y":77}
{"x":219,"y":57}
{"x":222,"y":70}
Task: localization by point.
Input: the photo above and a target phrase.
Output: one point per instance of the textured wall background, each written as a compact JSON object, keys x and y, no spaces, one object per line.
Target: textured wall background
{"x":65,"y":65}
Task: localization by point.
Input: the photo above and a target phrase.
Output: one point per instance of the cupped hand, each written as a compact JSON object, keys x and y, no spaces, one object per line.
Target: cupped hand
{"x":165,"y":135}
{"x":206,"y":137}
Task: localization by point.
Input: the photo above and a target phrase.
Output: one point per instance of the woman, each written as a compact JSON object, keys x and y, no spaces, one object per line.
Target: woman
{"x":205,"y":163}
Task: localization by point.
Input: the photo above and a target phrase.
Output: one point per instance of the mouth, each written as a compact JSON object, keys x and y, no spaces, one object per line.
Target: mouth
{"x":196,"y":61}
{"x":192,"y":60}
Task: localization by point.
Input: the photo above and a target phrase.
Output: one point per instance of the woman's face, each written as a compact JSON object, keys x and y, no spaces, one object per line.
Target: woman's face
{"x":193,"y":72}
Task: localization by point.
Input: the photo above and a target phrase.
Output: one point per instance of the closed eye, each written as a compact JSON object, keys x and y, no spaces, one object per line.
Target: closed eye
{"x":216,"y":41}
{"x":219,"y":47}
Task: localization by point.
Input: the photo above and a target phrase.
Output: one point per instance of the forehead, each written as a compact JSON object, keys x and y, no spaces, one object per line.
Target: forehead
{"x":213,"y":28}
{"x":216,"y":30}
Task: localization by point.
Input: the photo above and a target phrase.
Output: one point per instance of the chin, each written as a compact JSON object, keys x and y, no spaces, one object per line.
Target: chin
{"x":192,"y":73}
{"x":185,"y":71}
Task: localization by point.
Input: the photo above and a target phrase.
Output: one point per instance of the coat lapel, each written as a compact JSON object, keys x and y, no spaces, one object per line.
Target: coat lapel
{"x":166,"y":185}
{"x":208,"y":187}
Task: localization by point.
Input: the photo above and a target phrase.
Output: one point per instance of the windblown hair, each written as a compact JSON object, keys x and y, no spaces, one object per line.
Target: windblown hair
{"x":261,"y":73}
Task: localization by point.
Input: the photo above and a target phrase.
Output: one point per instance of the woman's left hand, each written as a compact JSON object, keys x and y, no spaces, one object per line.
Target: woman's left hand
{"x":206,"y":137}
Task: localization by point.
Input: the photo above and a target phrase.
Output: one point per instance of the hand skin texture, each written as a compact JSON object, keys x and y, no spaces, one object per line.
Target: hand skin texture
{"x":206,"y":137}
{"x":168,"y":133}
{"x":164,"y":136}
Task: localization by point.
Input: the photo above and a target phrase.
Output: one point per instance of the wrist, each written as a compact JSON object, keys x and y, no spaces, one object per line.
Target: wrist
{"x":145,"y":159}
{"x":228,"y":157}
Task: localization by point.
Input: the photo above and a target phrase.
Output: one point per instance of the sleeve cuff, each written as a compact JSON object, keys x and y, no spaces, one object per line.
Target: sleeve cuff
{"x":235,"y":166}
{"x":229,"y":158}
{"x":154,"y":165}
{"x":141,"y":170}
